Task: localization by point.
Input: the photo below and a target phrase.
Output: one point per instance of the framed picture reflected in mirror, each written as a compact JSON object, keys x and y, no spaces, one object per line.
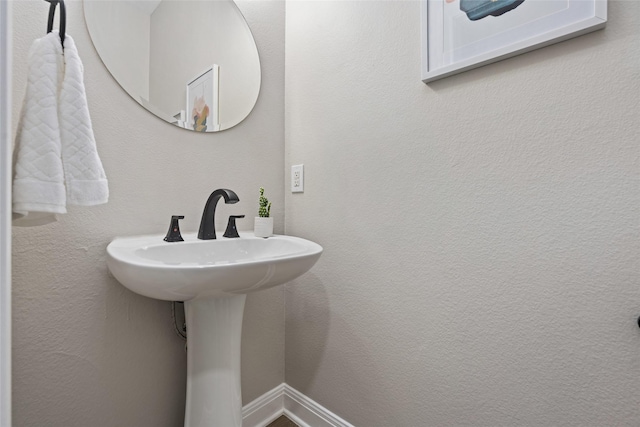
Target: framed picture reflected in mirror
{"x":203,"y":105}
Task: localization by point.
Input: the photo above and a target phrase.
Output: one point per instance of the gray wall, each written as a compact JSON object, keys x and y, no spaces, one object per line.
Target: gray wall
{"x":480,"y":233}
{"x":86,"y":351}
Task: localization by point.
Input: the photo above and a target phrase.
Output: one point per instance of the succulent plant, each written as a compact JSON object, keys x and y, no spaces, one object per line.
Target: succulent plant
{"x":265,"y":205}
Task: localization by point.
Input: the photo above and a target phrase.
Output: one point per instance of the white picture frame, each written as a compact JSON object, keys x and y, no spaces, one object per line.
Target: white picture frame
{"x":203,"y":105}
{"x":454,"y":40}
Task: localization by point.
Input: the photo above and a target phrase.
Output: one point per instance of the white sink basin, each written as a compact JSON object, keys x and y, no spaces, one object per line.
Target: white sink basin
{"x":213,"y":278}
{"x":181,"y":271}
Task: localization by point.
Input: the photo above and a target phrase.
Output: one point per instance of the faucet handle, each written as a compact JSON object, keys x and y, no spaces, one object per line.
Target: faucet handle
{"x":173,"y":235}
{"x":231,"y":230}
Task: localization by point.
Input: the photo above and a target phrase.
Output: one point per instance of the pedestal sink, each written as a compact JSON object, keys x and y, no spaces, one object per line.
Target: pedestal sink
{"x":212,"y":277}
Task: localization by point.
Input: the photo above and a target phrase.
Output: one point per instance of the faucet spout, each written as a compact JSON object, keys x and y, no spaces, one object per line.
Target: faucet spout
{"x":207,"y":229}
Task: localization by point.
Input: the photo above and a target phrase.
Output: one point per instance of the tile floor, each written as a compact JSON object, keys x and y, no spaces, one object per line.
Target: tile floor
{"x":283,"y":422}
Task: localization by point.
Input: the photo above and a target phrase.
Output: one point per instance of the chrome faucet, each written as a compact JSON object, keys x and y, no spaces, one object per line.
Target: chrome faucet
{"x":207,"y":224}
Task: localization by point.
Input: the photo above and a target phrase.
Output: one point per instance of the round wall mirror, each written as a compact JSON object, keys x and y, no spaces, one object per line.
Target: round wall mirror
{"x":193,"y":63}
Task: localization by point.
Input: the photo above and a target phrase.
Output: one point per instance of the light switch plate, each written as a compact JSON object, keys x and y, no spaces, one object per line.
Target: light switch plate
{"x":297,"y":178}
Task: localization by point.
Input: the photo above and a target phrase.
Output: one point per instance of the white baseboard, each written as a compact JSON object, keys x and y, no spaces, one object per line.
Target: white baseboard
{"x":308,"y":413}
{"x":285,"y":400}
{"x":264,"y":409}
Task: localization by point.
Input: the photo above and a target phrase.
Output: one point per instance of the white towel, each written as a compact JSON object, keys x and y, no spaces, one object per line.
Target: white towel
{"x":55,"y":157}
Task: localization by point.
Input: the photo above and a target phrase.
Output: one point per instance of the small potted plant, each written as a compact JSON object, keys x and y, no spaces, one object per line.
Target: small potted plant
{"x":263,"y":225}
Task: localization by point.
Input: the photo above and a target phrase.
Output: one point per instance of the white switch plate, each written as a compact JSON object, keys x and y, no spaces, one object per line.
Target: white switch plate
{"x":297,"y":178}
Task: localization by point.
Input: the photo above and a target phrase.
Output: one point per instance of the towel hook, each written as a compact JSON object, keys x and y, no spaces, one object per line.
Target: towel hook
{"x":63,"y":18}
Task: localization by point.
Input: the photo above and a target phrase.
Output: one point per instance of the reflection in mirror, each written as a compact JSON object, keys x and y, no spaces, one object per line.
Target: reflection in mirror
{"x":193,"y":63}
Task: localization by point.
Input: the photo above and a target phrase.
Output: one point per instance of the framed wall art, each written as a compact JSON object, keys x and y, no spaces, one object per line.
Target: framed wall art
{"x":203,"y":94}
{"x":458,"y":35}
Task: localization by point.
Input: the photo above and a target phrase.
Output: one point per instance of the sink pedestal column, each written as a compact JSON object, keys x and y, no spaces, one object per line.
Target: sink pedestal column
{"x":214,"y":331}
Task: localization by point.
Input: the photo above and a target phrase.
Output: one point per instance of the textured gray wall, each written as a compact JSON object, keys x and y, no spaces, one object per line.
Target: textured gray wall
{"x":86,"y":351}
{"x":481,"y":247}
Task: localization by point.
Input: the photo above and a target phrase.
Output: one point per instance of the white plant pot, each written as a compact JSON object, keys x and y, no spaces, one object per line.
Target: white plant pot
{"x":263,"y":227}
